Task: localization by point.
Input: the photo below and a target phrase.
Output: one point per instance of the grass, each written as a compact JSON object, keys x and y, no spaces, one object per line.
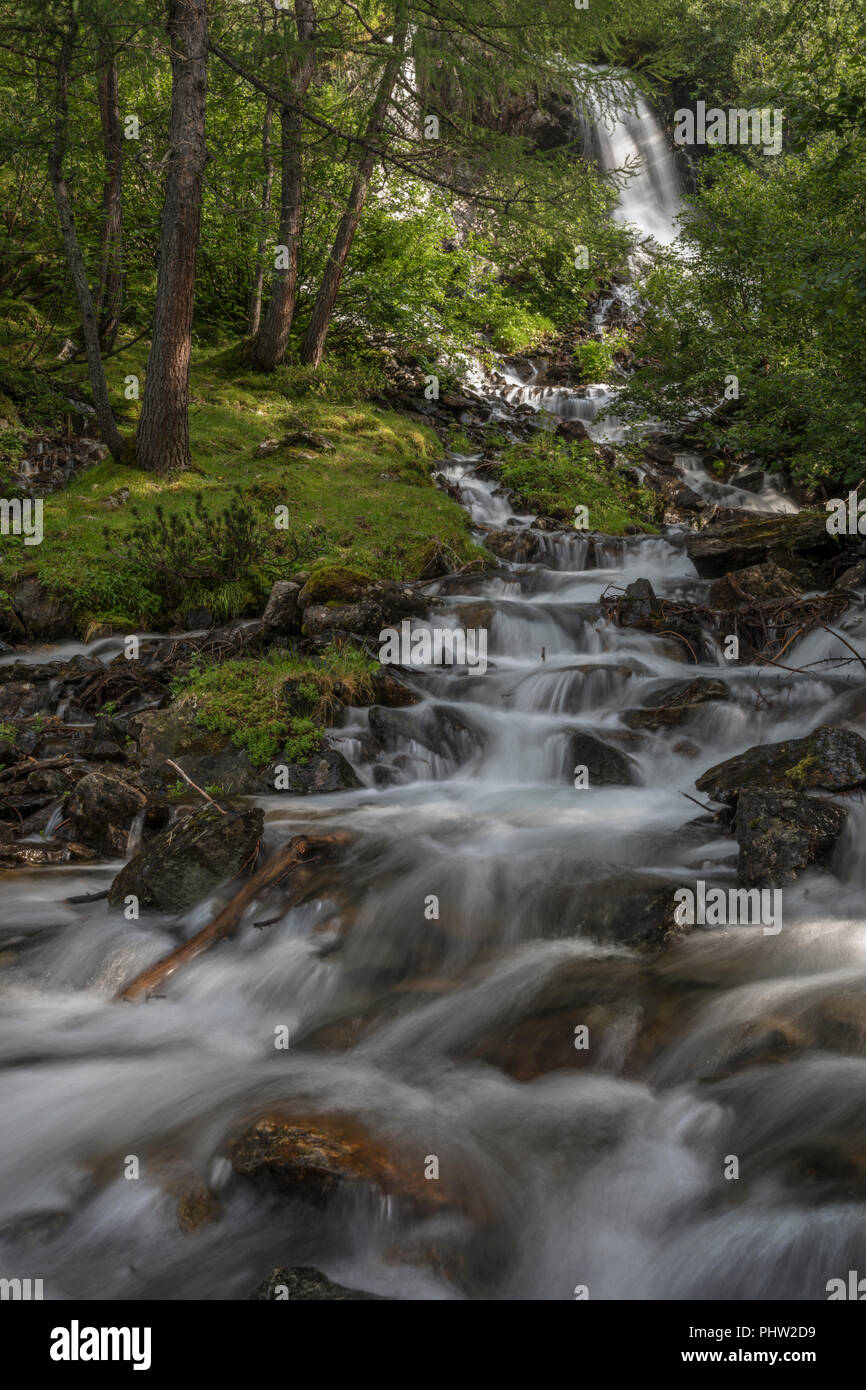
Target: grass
{"x":278,"y":707}
{"x":370,"y":503}
{"x":552,"y":477}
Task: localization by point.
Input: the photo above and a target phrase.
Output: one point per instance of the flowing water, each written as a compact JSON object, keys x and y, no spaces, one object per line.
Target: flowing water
{"x":607,"y":1171}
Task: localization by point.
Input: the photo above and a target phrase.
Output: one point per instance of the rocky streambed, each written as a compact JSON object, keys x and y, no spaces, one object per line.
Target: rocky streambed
{"x":428,"y":1020}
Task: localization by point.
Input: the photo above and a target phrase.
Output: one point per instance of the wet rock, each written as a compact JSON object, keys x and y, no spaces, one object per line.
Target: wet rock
{"x":326,"y":771}
{"x":39,"y":613}
{"x":852,"y":578}
{"x":660,"y":454}
{"x":101,"y":810}
{"x":305,"y":1285}
{"x":828,"y":760}
{"x":687,"y":500}
{"x":676,"y":703}
{"x":630,"y":910}
{"x":782,"y":833}
{"x":537,"y":1033}
{"x":799,"y":543}
{"x":18,"y":700}
{"x":751,"y":479}
{"x":606,"y":766}
{"x":281,"y":610}
{"x":314,"y":1158}
{"x":209,"y":758}
{"x":517,"y":546}
{"x":392,"y":690}
{"x":572,"y":430}
{"x":35,"y":856}
{"x":639,"y":606}
{"x":756,"y":584}
{"x":190,"y":860}
{"x":197,"y":1206}
{"x":440,"y":728}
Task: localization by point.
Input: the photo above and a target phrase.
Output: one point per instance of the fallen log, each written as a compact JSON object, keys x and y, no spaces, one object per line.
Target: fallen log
{"x":299,"y":852}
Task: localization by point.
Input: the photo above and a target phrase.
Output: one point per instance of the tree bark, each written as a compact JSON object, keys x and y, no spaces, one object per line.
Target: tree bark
{"x":271,"y":341}
{"x":162,"y":444}
{"x":323,"y":309}
{"x":267,"y":185}
{"x":104,"y":414}
{"x":110,"y":296}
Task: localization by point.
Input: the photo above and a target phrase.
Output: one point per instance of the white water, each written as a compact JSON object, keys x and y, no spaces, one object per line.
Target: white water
{"x":625,"y":137}
{"x":610,"y":1176}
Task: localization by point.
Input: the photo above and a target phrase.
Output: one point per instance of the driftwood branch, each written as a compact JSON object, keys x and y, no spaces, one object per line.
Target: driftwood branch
{"x":195,"y":788}
{"x":300,"y":851}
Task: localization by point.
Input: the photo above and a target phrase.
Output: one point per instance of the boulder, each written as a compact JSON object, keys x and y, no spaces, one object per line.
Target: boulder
{"x":18,"y":700}
{"x":782,"y":833}
{"x":190,"y":860}
{"x":326,"y":771}
{"x":852,"y":578}
{"x":828,"y":760}
{"x":209,"y":758}
{"x":606,"y":766}
{"x":751,"y":479}
{"x":519,"y":547}
{"x":572,"y":430}
{"x":101,"y":810}
{"x":281,"y":610}
{"x":676,"y":703}
{"x":440,"y":728}
{"x":799,"y":543}
{"x":317,"y":1157}
{"x":38,"y":612}
{"x":639,"y":606}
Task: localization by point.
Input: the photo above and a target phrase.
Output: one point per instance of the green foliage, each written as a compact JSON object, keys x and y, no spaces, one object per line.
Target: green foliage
{"x":187,"y":555}
{"x":278,"y":708}
{"x":771,"y":289}
{"x":552,"y":478}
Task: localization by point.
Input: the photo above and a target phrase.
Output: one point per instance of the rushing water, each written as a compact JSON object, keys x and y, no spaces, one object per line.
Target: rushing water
{"x":610,"y":1174}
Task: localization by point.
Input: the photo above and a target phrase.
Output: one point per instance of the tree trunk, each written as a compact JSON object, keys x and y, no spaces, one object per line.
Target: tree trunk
{"x":271,"y":341}
{"x":162,"y":444}
{"x":104,"y":414}
{"x":323,"y":309}
{"x":110,"y":297}
{"x":267,"y":185}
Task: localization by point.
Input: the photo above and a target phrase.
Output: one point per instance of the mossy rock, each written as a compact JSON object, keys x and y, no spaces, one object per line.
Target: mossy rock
{"x":829,"y":759}
{"x":335,"y":584}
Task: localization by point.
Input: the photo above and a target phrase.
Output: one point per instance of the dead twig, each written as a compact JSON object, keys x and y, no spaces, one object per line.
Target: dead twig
{"x":296,"y":854}
{"x":195,"y":788}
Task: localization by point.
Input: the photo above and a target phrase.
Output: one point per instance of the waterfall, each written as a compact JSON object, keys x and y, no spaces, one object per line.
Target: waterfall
{"x":624,"y":134}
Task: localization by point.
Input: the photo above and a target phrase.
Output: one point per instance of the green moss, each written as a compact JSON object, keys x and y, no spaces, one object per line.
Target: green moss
{"x":336,"y":584}
{"x":369,"y":505}
{"x":278,"y":708}
{"x":799,"y":774}
{"x":552,"y":477}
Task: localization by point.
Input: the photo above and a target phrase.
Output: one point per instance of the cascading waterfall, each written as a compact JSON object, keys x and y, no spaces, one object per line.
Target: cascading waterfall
{"x":624,"y":135}
{"x":609,"y":1175}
